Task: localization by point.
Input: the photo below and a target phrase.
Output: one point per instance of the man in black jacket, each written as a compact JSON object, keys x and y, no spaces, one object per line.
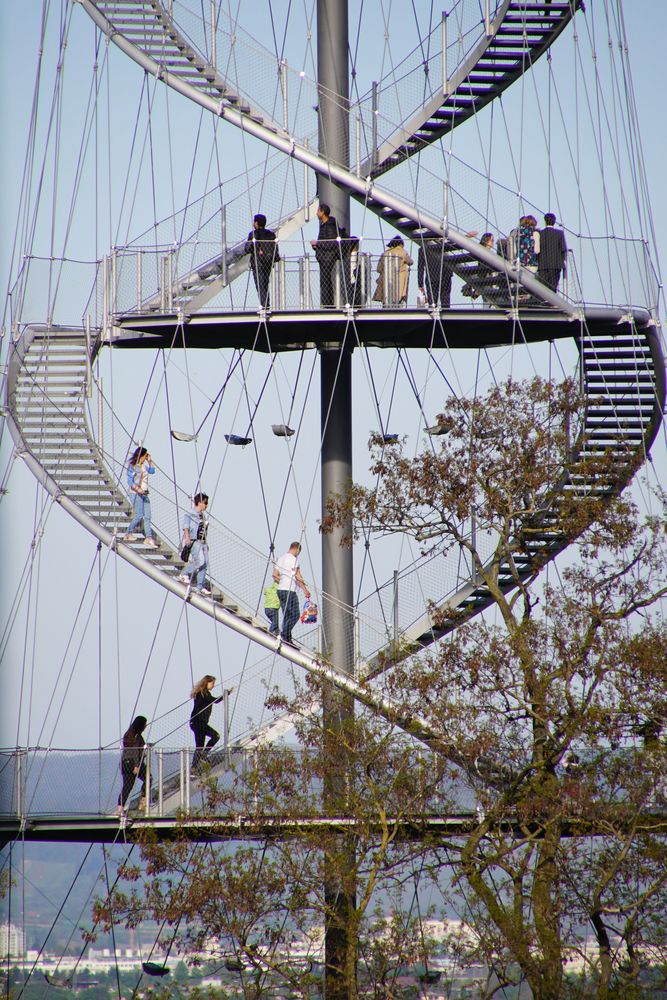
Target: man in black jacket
{"x":327,"y":253}
{"x":263,"y":249}
{"x":553,"y":253}
{"x":434,"y":271}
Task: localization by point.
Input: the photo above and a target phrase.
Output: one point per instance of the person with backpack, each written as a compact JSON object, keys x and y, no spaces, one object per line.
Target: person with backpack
{"x":195,"y":533}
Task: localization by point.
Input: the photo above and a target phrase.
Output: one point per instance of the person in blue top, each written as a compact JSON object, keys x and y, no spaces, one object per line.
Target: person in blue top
{"x":195,"y":530}
{"x":138,"y":471}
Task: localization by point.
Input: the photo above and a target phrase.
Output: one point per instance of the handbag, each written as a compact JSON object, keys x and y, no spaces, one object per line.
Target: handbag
{"x":185,"y":552}
{"x":309,"y":613}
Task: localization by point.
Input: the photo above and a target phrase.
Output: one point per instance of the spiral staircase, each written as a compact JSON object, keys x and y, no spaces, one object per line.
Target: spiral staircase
{"x":622,"y":367}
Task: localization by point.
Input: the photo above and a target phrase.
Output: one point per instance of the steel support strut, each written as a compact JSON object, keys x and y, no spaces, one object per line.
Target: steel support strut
{"x":336,"y":474}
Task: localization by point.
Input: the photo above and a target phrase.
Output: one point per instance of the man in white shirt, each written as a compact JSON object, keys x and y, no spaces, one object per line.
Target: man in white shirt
{"x":287,"y":575}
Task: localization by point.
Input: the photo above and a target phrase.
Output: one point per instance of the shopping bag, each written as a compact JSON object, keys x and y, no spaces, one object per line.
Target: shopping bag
{"x":309,"y":613}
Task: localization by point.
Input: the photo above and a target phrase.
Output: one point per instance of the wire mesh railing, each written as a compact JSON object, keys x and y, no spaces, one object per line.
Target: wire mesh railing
{"x":39,"y":782}
{"x":144,"y":281}
{"x":286,"y":96}
{"x":242,"y":572}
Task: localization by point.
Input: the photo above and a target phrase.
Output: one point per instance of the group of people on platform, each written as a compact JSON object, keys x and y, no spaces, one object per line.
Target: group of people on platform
{"x":543,"y":251}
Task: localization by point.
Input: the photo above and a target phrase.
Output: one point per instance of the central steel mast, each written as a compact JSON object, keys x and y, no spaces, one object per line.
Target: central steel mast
{"x":336,"y":475}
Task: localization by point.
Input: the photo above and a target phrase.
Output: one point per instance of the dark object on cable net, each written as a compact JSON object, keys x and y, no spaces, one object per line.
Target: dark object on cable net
{"x":153,"y":969}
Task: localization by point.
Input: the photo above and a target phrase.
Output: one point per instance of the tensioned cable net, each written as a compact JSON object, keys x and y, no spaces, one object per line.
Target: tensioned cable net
{"x":134,"y":319}
{"x":80,"y":408}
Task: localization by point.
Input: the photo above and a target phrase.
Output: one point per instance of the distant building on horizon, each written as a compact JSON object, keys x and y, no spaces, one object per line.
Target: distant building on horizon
{"x":11,"y":941}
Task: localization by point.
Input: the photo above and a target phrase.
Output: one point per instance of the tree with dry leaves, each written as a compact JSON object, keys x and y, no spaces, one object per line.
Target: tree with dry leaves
{"x":548,"y":711}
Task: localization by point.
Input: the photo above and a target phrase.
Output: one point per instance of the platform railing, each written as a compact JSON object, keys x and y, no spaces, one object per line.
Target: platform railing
{"x":37,"y":782}
{"x":164,"y":280}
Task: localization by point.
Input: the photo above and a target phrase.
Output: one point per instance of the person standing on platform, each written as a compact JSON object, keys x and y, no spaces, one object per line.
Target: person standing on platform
{"x":132,"y":763}
{"x":435,"y":268}
{"x":195,"y":532}
{"x":327,"y":253}
{"x":393,"y":274}
{"x":263,"y":249}
{"x":138,"y":471}
{"x":434,"y":273}
{"x":201,"y":713}
{"x":529,"y":242}
{"x":553,"y":253}
{"x":288,"y":576}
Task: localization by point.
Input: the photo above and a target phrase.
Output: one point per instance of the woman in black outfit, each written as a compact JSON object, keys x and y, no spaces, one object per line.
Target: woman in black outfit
{"x":201,"y":713}
{"x":132,"y":764}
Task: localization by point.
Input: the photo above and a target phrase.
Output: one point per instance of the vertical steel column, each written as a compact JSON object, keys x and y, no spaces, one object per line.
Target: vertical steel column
{"x":149,"y":779}
{"x":285,"y":80}
{"x":473,"y":541}
{"x":114,"y":281}
{"x":100,"y":413}
{"x":160,"y":782}
{"x":214,"y":55}
{"x":445,"y":77}
{"x":225,"y":705}
{"x":89,"y":370}
{"x":140,"y":294}
{"x":223,"y":240}
{"x":336,"y":473}
{"x":105,"y":298}
{"x":395,"y":606}
{"x":375,"y":111}
{"x":19,"y":783}
{"x":336,"y":362}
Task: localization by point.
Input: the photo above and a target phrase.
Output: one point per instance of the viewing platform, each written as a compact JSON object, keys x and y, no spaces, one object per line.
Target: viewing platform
{"x":71,"y":795}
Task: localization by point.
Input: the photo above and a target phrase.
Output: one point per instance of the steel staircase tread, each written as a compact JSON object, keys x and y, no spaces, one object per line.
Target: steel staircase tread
{"x":622,"y":366}
{"x":636,"y":377}
{"x":491,"y":56}
{"x":105,"y":494}
{"x":632,"y":353}
{"x":622,"y":341}
{"x":64,"y":408}
{"x":643,"y":406}
{"x":55,"y":444}
{"x":535,"y":5}
{"x":621,"y":394}
{"x":69,"y":360}
{"x":508,"y":30}
{"x":620,"y":428}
